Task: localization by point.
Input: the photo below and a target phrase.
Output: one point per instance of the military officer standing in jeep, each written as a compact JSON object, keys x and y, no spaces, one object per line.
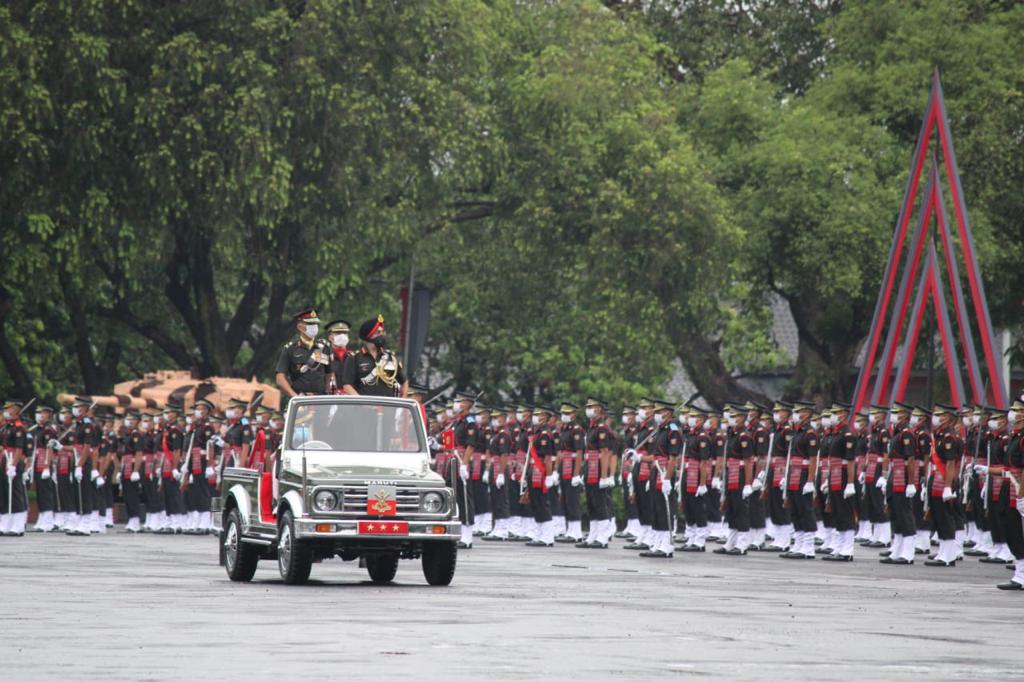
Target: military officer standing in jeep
{"x":374,"y":369}
{"x":302,"y":365}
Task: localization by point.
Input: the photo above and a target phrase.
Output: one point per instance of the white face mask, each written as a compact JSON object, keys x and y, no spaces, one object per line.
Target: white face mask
{"x":198,"y":414}
{"x":723,"y":427}
{"x":992,"y":425}
{"x":231,"y":413}
{"x":129,"y":423}
{"x":641,"y":413}
{"x":625,"y":420}
{"x":520,"y":416}
{"x":76,"y":412}
{"x":39,"y":419}
{"x":935,"y":422}
{"x":794,"y":418}
{"x":536,"y":420}
{"x":450,"y":412}
{"x":312,"y":330}
{"x":566,"y":418}
{"x":494,"y":423}
{"x":188,"y":421}
{"x":1011,"y":416}
{"x":261,"y":418}
{"x":814,"y":423}
{"x":277,"y":425}
{"x":691,"y":422}
{"x":709,"y":426}
{"x":591,"y":412}
{"x":340,"y":340}
{"x":914,"y":420}
{"x":157,"y":419}
{"x":658,"y":417}
{"x":144,"y":426}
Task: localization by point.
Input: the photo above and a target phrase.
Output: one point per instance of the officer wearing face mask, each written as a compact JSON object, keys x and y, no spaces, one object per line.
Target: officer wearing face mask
{"x":374,"y":369}
{"x":338,"y":336}
{"x":302,"y":365}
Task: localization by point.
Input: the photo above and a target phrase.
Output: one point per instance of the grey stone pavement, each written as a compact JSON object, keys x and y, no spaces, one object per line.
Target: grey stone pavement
{"x":120,"y":607}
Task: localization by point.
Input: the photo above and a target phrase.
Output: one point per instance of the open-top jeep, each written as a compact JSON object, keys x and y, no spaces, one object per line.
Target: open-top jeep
{"x":352,"y":479}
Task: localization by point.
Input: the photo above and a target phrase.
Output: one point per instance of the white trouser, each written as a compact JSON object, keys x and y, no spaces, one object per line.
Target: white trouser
{"x":633,"y":527}
{"x":844,"y":542}
{"x":737,"y":540}
{"x":783,"y":536}
{"x":924,"y":540}
{"x":1018,"y":572}
{"x":547,"y":532}
{"x":467,"y":535}
{"x":882,"y":532}
{"x":948,"y":551}
{"x":45,"y":521}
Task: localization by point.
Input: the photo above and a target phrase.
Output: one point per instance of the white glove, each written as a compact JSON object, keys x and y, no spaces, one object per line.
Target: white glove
{"x":947,"y":494}
{"x":499,"y":481}
{"x":666,"y":486}
{"x":26,"y":477}
{"x":1020,"y":506}
{"x":702,"y":490}
{"x":748,"y":490}
{"x":911,"y":490}
{"x":100,"y":481}
{"x":880,"y":483}
{"x":134,"y":478}
{"x":757,"y":485}
{"x":93,"y":475}
{"x":980,"y":469}
{"x":210,"y":473}
{"x":630,"y":452}
{"x":552,"y":480}
{"x":716,"y":483}
{"x":45,"y":475}
{"x":808,"y":488}
{"x":606,"y":483}
{"x":55,"y":445}
{"x":176,"y":474}
{"x":860,"y":479}
{"x":486,"y":478}
{"x":924,"y":493}
{"x":117,"y":478}
{"x":463,"y":472}
{"x":576,"y":482}
{"x":218,"y":441}
{"x":782,"y":483}
{"x":849,"y":491}
{"x":78,"y":473}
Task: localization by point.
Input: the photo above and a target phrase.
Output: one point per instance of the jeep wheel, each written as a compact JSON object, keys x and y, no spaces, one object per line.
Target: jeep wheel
{"x":439,"y":562}
{"x":382,"y":568}
{"x":294,"y":557}
{"x":240,"y":559}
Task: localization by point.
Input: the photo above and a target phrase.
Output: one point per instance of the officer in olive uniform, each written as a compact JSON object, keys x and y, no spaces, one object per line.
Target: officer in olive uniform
{"x":374,"y":369}
{"x":302,"y":365}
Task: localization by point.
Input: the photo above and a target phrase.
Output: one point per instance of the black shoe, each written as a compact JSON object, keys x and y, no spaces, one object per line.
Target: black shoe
{"x":994,"y":560}
{"x":538,"y":543}
{"x":887,"y":552}
{"x":822,"y":550}
{"x":935,"y":543}
{"x":974,"y":552}
{"x":690,"y":548}
{"x":896,"y":562}
{"x":635,"y":545}
{"x":818,"y":542}
{"x":754,"y":548}
{"x":968,"y":544}
{"x":1010,"y":567}
{"x":937,"y":562}
{"x":478,"y":533}
{"x":794,"y":555}
{"x":655,"y":554}
{"x":720,"y":550}
{"x":492,"y":538}
{"x":1012,"y":586}
{"x":597,"y":545}
{"x":622,"y":534}
{"x":462,"y":545}
{"x":736,"y":551}
{"x":838,"y":557}
{"x":518,"y":538}
{"x":565,"y":540}
{"x":12,"y":534}
{"x":875,"y":544}
{"x":774,"y":548}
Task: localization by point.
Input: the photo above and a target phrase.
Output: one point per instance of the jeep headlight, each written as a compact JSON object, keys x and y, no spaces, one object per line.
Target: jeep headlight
{"x":325,"y":501}
{"x":432,"y":503}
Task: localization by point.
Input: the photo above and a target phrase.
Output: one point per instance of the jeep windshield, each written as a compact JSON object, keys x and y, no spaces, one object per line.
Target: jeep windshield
{"x":355,"y":427}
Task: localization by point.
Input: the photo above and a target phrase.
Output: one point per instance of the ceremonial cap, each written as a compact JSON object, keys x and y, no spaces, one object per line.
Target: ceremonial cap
{"x":371,"y":328}
{"x":307,"y":316}
{"x":337,"y":326}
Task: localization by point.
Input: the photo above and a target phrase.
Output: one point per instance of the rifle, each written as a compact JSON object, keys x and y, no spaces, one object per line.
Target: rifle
{"x":765,"y":484}
{"x":785,"y":473}
{"x":186,"y":460}
{"x":988,"y":476}
{"x":926,"y":491}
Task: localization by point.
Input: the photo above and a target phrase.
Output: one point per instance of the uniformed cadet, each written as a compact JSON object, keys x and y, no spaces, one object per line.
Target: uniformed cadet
{"x":463,"y":442}
{"x":14,"y":497}
{"x":799,"y":491}
{"x":89,"y":439}
{"x":1013,"y":514}
{"x":45,"y":481}
{"x":171,"y":447}
{"x":541,"y":477}
{"x":639,"y":493}
{"x":942,"y":472}
{"x":841,"y":489}
{"x":873,"y":509}
{"x":738,"y":466}
{"x":695,"y":472}
{"x":666,"y":445}
{"x":522,"y":521}
{"x":198,"y":469}
{"x":131,"y":472}
{"x":717,"y":431}
{"x":921,"y":420}
{"x":499,"y":445}
{"x":571,"y":443}
{"x":627,"y":444}
{"x":237,"y":435}
{"x":997,"y":491}
{"x":899,"y":466}
{"x":780,"y":460}
{"x":302,"y":364}
{"x":761,"y":442}
{"x":374,"y":369}
{"x":338,"y":336}
{"x":978,"y":538}
{"x":152,"y":494}
{"x":597,"y":477}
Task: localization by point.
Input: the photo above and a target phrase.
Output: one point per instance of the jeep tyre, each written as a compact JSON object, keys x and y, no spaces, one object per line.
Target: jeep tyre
{"x":439,"y":562}
{"x":382,"y":568}
{"x":294,"y":557}
{"x":240,"y":559}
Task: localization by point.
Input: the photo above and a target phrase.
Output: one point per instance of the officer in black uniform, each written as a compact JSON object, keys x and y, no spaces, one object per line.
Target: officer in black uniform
{"x":1012,"y":514}
{"x":667,"y":443}
{"x":799,"y":485}
{"x":943,"y":464}
{"x":338,"y":337}
{"x":14,"y":511}
{"x":464,"y":438}
{"x":302,"y":365}
{"x":46,"y":482}
{"x":841,"y":489}
{"x":374,"y":369}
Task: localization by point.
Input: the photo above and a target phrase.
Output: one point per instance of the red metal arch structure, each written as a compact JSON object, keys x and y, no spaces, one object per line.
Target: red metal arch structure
{"x":930,"y":284}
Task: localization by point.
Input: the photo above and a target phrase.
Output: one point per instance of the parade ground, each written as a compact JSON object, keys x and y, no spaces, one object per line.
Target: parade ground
{"x":120,"y":607}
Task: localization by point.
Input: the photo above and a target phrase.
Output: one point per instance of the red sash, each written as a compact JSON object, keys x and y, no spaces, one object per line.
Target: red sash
{"x":778,"y":469}
{"x":443,"y":462}
{"x":732,"y":468}
{"x":568,"y":458}
{"x":147,"y":465}
{"x":692,"y":472}
{"x":538,"y":477}
{"x":645,"y":468}
{"x":127,"y":465}
{"x":593,"y":466}
{"x":899,"y":475}
{"x":796,"y":472}
{"x":63,"y":464}
{"x":197,"y":461}
{"x":938,"y":482}
{"x":835,"y":478}
{"x":871,"y":472}
{"x":476,"y":470}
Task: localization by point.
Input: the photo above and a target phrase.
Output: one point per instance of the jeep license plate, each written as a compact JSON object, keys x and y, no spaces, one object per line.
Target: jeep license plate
{"x":383,"y":527}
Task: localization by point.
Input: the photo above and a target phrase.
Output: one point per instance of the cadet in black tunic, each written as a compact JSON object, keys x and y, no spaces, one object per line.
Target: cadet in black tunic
{"x":46,"y":482}
{"x":541,"y":476}
{"x":464,"y":435}
{"x":302,"y":365}
{"x":877,"y":444}
{"x":667,"y":443}
{"x":799,"y":482}
{"x":898,"y":465}
{"x":696,"y":475}
{"x":842,"y":491}
{"x":131,"y":472}
{"x":1012,"y":520}
{"x":944,"y":460}
{"x":641,"y":474}
{"x":781,"y":446}
{"x":572,"y":441}
{"x":738,"y":468}
{"x":14,"y":509}
{"x":499,"y":446}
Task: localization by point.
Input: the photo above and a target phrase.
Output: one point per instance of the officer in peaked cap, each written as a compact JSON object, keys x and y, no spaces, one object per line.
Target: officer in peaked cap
{"x":374,"y":369}
{"x":303,"y":362}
